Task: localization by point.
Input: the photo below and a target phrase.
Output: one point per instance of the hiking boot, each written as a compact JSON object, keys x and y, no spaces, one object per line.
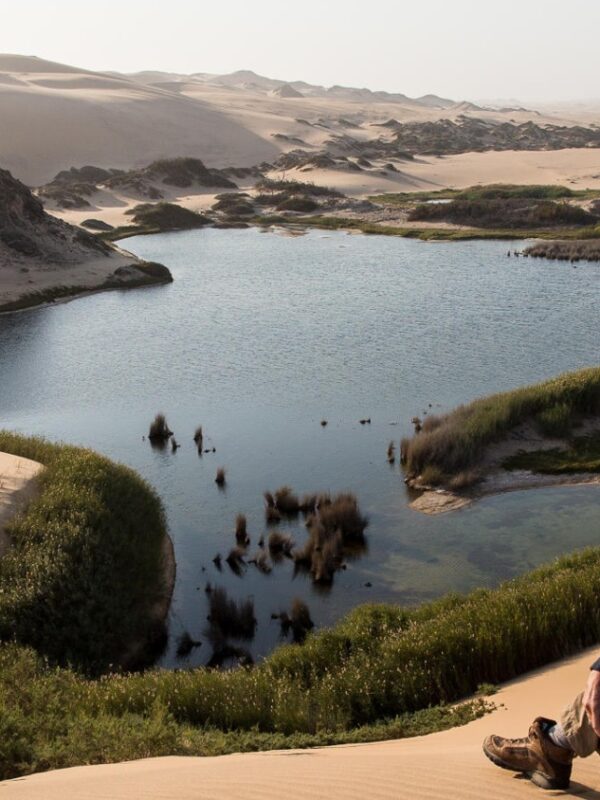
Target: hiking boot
{"x":545,"y":763}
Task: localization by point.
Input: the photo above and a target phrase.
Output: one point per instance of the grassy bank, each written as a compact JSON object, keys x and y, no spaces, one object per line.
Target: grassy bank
{"x":85,"y":566}
{"x":454,"y":443}
{"x":382,"y":671}
{"x":588,"y":250}
{"x":428,"y":234}
{"x":492,"y":191}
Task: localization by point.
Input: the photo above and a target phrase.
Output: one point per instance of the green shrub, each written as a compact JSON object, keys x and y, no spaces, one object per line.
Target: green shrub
{"x":305,"y":204}
{"x":166,"y":217}
{"x":85,"y":565}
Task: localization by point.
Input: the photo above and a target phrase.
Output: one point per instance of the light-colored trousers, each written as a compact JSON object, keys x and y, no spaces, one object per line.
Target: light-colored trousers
{"x":578,"y":730}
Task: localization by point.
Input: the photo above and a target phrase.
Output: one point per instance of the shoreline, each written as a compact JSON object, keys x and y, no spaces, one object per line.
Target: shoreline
{"x":142,"y":650}
{"x":50,"y":296}
{"x":77,"y":293}
{"x":443,"y":501}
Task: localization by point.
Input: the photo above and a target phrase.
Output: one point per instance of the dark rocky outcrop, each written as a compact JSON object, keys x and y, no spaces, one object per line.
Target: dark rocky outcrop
{"x":27,"y":230}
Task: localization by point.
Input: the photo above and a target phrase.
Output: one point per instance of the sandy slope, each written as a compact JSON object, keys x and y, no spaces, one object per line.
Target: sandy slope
{"x":447,"y":765}
{"x":577,"y":169}
{"x":56,"y":116}
{"x":17,"y":487}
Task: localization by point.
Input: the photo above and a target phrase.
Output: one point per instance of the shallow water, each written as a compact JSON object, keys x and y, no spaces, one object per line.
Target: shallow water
{"x":259,"y":338}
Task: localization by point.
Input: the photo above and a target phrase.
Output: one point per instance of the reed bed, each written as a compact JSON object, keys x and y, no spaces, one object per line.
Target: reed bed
{"x":583,"y":250}
{"x":230,"y":619}
{"x":241,"y":530}
{"x":455,"y":442}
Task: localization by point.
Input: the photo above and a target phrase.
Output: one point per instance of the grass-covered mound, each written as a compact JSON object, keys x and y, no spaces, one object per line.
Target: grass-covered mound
{"x":586,"y":250}
{"x":381,"y":672}
{"x":85,"y":566}
{"x":166,"y":216}
{"x":504,"y":212}
{"x":455,"y":442}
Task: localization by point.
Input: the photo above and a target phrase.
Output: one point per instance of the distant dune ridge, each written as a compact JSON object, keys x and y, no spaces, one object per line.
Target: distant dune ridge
{"x":56,"y":116}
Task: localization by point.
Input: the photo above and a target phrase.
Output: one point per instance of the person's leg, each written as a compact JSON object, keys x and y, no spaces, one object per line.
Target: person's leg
{"x":576,"y":728}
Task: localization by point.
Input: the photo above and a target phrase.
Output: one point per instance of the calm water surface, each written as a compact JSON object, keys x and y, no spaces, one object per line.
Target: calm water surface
{"x":259,"y":338}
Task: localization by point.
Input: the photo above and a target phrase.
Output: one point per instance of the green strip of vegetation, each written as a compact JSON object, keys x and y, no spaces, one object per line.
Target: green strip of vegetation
{"x":454,"y":443}
{"x":46,"y":723}
{"x":582,"y":455}
{"x":429,"y":234}
{"x":494,"y":191}
{"x":85,"y":567}
{"x":359,"y":679}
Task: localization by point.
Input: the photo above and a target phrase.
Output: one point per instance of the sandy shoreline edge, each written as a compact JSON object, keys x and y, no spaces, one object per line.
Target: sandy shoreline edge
{"x":442,"y":501}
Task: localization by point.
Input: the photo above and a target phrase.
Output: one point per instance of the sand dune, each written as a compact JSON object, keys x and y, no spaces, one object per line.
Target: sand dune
{"x":448,"y":765}
{"x":54,"y":117}
{"x":17,"y":487}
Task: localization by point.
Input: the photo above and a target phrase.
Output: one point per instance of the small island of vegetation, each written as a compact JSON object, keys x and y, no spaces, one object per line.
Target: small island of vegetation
{"x":550,"y":428}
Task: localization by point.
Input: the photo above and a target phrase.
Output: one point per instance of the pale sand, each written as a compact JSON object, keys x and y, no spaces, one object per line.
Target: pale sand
{"x":448,"y":765}
{"x":17,"y":488}
{"x":56,"y":116}
{"x":577,"y":169}
{"x":88,"y":275}
{"x":441,"y":501}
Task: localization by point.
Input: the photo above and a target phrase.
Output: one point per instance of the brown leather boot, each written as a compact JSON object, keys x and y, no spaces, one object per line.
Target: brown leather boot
{"x":545,"y":763}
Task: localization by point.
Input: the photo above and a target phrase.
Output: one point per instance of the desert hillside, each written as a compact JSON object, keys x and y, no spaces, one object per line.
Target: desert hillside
{"x":42,"y":258}
{"x":89,"y":117}
{"x":242,"y":119}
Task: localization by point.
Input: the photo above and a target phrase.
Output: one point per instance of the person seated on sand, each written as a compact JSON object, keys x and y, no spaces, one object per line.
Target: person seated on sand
{"x":546,"y":754}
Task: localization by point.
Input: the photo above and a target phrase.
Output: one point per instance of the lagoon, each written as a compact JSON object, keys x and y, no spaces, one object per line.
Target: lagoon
{"x":263,"y":335}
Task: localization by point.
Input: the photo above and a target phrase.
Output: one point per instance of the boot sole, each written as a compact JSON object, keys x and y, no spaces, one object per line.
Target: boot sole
{"x":544,"y":782}
{"x":538,"y":778}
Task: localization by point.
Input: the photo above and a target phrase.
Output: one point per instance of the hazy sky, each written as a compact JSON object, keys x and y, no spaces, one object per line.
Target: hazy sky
{"x":471,"y":49}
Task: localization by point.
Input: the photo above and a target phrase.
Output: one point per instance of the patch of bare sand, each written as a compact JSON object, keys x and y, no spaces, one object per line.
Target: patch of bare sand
{"x":443,"y":766}
{"x":17,"y":488}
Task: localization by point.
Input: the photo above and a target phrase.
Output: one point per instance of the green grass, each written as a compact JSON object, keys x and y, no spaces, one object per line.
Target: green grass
{"x":47,"y":722}
{"x":429,"y":234}
{"x":85,"y":565}
{"x":456,"y":441}
{"x":383,"y":670}
{"x":582,"y":455}
{"x":494,"y":191}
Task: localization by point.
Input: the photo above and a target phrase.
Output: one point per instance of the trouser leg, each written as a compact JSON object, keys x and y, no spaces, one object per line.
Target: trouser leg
{"x":577,"y":728}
